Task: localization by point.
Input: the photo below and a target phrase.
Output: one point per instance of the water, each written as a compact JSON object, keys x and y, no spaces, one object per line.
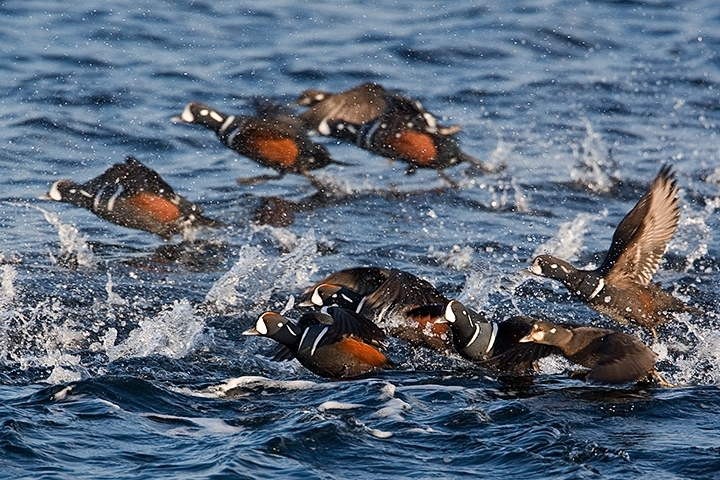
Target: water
{"x":121,"y":356}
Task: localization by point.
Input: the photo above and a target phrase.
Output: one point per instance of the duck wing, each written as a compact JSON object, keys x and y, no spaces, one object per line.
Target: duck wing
{"x":520,"y":358}
{"x":621,"y":358}
{"x":404,"y":291}
{"x":348,"y":323}
{"x":361,"y":280}
{"x":641,"y":238}
{"x":356,"y":106}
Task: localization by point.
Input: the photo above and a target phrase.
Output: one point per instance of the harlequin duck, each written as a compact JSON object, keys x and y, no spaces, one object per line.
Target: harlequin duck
{"x":272,"y":139}
{"x":477,"y":339}
{"x":620,"y":288}
{"x":334,"y":343}
{"x":612,"y":357}
{"x":132,"y":195}
{"x":385,"y":295}
{"x":386,"y":124}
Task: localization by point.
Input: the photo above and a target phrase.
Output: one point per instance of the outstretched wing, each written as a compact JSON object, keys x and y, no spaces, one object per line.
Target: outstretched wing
{"x":640,"y":240}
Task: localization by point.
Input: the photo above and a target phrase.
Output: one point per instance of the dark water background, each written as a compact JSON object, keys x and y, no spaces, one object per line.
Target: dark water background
{"x":121,"y":356}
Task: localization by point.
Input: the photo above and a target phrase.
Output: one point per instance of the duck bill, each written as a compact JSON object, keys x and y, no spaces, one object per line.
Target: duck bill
{"x":177,"y":119}
{"x":251,"y":331}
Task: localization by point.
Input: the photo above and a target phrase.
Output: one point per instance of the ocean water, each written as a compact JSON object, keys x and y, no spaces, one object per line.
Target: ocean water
{"x":121,"y":356}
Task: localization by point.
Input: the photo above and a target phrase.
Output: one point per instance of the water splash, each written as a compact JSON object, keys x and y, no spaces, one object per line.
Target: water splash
{"x":568,"y":242}
{"x":693,"y":235}
{"x":500,"y":155}
{"x":700,"y":364}
{"x":506,"y":195}
{"x":254,"y":277}
{"x":522,"y":200}
{"x":224,"y":292}
{"x":172,"y":333}
{"x":236,"y":387}
{"x":74,"y":249}
{"x":7,"y":295}
{"x":595,"y":169}
{"x":478,"y":286}
{"x":113,"y":298}
{"x":458,"y":258}
{"x":714,"y":177}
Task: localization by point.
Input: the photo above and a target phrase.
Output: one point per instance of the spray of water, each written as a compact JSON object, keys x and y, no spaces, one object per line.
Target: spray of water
{"x":595,"y":169}
{"x":172,"y":333}
{"x":254,"y":277}
{"x":567,"y":243}
{"x":74,"y":249}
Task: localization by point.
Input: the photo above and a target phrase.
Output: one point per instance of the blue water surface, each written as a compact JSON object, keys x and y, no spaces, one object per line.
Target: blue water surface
{"x":121,"y":356}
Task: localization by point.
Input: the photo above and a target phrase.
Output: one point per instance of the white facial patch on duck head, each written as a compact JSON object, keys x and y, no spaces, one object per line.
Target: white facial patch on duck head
{"x":316,"y":299}
{"x":537,"y":334}
{"x":261,"y":326}
{"x":449,"y":314}
{"x":54,"y":193}
{"x":187,"y":115}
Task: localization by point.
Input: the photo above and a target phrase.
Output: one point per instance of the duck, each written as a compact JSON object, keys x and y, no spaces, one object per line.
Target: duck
{"x":273,"y":139}
{"x":386,"y":124}
{"x":132,"y":195}
{"x":490,"y":344}
{"x":611,"y":357}
{"x":384,"y":295}
{"x":333,"y":343}
{"x":621,"y":286}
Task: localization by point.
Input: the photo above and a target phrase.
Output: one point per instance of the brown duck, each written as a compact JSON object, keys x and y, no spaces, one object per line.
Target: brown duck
{"x":386,"y":124}
{"x":620,"y":288}
{"x":611,"y":357}
{"x":134,"y":196}
{"x":273,"y":139}
{"x":385,"y":295}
